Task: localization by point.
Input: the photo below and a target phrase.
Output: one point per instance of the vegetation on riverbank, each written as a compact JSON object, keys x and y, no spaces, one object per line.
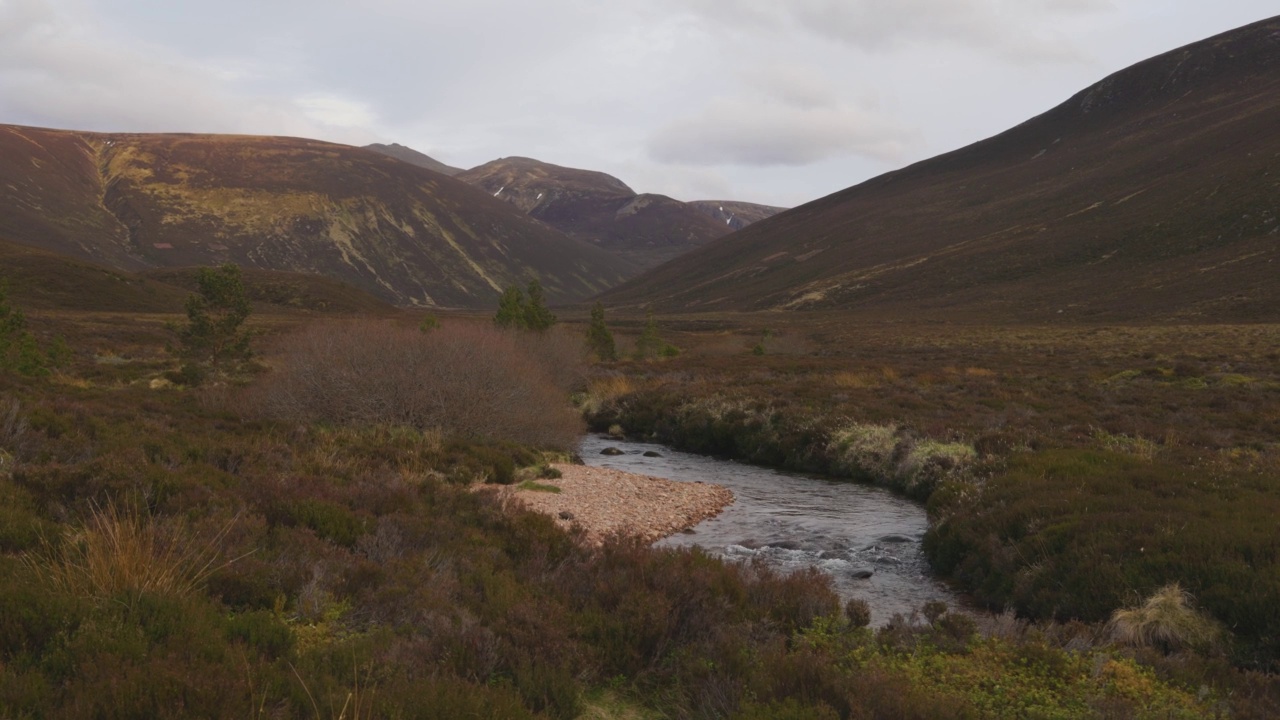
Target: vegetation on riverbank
{"x":1069,"y":472}
{"x":171,"y":553}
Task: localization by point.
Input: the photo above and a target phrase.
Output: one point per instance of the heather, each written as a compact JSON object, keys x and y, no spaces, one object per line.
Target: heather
{"x":172,"y":552}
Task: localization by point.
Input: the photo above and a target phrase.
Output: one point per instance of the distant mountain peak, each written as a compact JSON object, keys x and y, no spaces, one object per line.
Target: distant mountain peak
{"x":601,"y":209}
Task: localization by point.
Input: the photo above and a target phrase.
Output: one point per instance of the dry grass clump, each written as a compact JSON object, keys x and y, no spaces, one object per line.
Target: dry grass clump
{"x":120,"y":554}
{"x":466,"y":380}
{"x":1168,"y":620}
{"x":894,"y":455}
{"x":605,"y":389}
{"x":863,"y":379}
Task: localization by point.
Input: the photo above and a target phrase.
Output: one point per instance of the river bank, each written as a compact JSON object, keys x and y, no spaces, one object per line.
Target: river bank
{"x":605,"y":502}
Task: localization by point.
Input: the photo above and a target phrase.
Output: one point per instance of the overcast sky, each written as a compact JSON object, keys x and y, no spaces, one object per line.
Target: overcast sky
{"x":774,"y":101}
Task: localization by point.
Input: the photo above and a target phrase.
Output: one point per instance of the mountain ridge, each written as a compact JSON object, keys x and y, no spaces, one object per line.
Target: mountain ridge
{"x":1149,"y":193}
{"x":408,"y":235}
{"x":595,"y":207}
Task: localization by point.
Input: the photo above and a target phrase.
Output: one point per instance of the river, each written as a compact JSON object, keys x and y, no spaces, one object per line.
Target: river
{"x":866,"y":538}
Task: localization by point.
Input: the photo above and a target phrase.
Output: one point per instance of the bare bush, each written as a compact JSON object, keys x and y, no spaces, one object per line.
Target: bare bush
{"x":466,"y":380}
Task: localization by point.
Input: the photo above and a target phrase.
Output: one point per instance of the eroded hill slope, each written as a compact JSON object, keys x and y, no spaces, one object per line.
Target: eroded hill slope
{"x":403,"y":233}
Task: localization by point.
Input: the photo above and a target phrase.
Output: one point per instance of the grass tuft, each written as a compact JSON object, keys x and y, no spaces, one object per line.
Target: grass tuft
{"x":120,"y":554}
{"x":1167,"y":620}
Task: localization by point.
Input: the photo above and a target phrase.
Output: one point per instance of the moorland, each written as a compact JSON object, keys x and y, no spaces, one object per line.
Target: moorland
{"x":254,"y":544}
{"x":255,"y":394}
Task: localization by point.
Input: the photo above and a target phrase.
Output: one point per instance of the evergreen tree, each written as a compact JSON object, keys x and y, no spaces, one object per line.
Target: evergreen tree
{"x":216,"y":313}
{"x":536,"y":315}
{"x":649,"y":343}
{"x":599,"y":339}
{"x":511,"y":309}
{"x":18,"y":348}
{"x":13,"y":324}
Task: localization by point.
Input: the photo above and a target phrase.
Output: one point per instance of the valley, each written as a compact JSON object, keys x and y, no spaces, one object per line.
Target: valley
{"x":1001,"y":428}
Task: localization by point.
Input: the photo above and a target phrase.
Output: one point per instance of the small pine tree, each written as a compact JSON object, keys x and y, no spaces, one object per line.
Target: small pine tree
{"x":599,"y":339}
{"x":214,"y":335}
{"x":536,"y":315}
{"x":18,"y":348}
{"x":511,"y":309}
{"x":650,"y":342}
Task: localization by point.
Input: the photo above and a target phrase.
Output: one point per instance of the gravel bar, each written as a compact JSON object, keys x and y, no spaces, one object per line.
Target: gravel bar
{"x":606,"y":502}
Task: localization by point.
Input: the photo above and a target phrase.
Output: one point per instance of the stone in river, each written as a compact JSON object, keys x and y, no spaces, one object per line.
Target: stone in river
{"x":862,"y":574}
{"x":650,"y":453}
{"x":611,"y":451}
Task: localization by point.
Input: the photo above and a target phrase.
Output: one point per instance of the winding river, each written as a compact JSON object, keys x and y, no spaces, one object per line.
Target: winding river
{"x":866,"y":538}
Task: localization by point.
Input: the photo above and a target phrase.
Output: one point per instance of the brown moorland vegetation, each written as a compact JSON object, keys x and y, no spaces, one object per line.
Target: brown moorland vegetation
{"x":1069,"y":471}
{"x":167,"y":552}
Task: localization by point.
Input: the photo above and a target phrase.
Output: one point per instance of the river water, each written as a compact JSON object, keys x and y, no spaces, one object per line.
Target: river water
{"x":866,"y":538}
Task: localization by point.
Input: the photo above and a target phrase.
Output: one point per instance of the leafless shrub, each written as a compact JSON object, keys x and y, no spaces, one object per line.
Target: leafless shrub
{"x":466,"y":380}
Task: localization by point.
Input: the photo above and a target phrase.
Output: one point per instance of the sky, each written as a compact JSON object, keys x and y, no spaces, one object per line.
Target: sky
{"x":771,"y":101}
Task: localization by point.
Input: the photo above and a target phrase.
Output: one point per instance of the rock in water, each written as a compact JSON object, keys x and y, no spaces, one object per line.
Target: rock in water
{"x":611,"y":451}
{"x":650,"y":453}
{"x":862,"y":574}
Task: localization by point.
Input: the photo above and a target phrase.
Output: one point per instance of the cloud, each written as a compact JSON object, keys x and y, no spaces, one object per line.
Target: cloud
{"x":58,"y":67}
{"x":1024,"y":29}
{"x":337,"y":111}
{"x":762,"y":132}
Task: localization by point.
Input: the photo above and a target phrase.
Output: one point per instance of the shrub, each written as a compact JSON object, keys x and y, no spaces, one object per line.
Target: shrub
{"x":466,"y":380}
{"x":858,"y":612}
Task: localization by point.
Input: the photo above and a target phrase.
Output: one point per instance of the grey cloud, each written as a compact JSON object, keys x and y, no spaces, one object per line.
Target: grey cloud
{"x":762,"y":132}
{"x":1020,"y":28}
{"x":60,"y":70}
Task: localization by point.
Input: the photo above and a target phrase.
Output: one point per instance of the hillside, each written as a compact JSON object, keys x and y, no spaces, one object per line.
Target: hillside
{"x":1151,"y":195}
{"x":413,"y":157}
{"x":43,"y":280}
{"x":601,"y":209}
{"x":407,"y":235}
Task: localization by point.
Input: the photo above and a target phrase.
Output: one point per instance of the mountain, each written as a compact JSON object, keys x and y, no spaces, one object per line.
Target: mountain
{"x":736,"y":215}
{"x":1152,"y":194}
{"x":402,"y":233}
{"x":413,"y":157}
{"x":601,"y":209}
